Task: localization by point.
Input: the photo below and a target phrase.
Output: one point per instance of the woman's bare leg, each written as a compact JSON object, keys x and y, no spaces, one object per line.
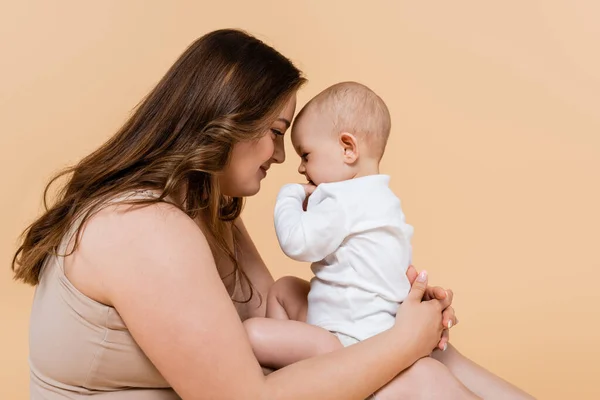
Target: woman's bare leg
{"x":478,"y":379}
{"x":426,"y":379}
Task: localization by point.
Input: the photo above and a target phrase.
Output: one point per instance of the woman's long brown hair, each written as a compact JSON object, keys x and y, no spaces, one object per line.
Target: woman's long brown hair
{"x":225,"y":88}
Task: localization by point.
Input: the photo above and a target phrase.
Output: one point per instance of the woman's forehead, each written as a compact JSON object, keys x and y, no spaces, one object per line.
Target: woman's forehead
{"x":287,"y":113}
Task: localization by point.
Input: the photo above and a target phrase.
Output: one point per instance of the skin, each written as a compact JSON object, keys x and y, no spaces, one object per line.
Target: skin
{"x":326,"y":155}
{"x":284,"y":338}
{"x":251,"y":160}
{"x":154,"y":266}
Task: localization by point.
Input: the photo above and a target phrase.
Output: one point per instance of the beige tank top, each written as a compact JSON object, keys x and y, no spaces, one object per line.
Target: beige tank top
{"x":79,"y":347}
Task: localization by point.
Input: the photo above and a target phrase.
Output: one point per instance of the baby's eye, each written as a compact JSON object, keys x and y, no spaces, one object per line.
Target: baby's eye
{"x":304,"y":156}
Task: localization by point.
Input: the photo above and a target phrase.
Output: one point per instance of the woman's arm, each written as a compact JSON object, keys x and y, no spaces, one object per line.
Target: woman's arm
{"x":156,"y":268}
{"x":257,"y":272}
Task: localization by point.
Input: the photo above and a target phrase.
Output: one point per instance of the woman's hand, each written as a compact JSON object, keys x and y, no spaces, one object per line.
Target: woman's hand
{"x":448,"y":316}
{"x":421,"y":321}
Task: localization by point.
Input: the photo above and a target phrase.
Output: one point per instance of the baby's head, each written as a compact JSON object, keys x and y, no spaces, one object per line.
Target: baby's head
{"x":341,"y":133}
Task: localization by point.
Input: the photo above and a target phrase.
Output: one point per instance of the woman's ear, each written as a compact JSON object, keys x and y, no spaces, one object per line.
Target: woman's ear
{"x":350,"y":147}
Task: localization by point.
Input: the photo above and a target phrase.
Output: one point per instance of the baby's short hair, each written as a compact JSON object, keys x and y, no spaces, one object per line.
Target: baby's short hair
{"x":358,"y":110}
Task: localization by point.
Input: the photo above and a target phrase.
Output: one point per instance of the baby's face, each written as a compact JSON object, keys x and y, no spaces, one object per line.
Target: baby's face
{"x":320,"y":151}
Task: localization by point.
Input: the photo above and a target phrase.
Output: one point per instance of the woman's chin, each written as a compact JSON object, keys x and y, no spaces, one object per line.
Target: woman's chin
{"x":247,"y":190}
{"x":253,"y":191}
{"x":241,"y":187}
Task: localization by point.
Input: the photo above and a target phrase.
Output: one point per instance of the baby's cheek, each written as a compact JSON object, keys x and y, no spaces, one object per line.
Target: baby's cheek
{"x":324,"y":173}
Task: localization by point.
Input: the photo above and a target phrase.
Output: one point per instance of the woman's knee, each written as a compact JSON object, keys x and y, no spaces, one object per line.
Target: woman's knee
{"x":428,"y":379}
{"x":425,"y":370}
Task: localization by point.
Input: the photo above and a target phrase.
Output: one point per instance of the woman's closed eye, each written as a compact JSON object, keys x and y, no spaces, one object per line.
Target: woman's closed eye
{"x":277,"y":132}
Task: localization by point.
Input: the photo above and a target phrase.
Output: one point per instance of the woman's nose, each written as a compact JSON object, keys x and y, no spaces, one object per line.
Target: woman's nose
{"x":279,"y":152}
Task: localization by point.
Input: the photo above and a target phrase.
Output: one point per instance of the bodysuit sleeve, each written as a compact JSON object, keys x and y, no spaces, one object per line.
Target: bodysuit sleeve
{"x":308,"y":235}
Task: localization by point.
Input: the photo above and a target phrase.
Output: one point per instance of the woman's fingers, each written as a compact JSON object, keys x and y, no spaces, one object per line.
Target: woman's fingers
{"x":418,"y":288}
{"x":411,"y":274}
{"x":443,"y":299}
{"x":444,"y":340}
{"x":448,"y":321}
{"x":448,"y":318}
{"x":449,"y":297}
{"x":444,"y":302}
{"x":435,"y":292}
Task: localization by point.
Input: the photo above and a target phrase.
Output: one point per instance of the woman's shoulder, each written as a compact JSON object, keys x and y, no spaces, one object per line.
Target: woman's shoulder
{"x":121,"y":237}
{"x":122,"y":225}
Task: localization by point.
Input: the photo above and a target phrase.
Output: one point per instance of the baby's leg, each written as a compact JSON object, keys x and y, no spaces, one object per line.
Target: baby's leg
{"x":283,"y":337}
{"x":288,"y":299}
{"x":278,"y":343}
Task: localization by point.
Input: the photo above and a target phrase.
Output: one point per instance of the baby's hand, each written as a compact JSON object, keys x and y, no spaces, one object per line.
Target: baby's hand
{"x":308,"y":190}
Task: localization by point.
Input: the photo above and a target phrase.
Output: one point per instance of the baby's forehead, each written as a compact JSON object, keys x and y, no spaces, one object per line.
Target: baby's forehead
{"x":311,"y":116}
{"x":303,"y":130}
{"x":312,"y":111}
{"x":298,"y":132}
{"x":308,"y":126}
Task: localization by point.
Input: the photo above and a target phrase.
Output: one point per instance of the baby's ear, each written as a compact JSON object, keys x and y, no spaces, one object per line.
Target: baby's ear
{"x":350,"y":147}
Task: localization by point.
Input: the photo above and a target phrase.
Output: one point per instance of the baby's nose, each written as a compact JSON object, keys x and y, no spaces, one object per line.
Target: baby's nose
{"x":301,"y":169}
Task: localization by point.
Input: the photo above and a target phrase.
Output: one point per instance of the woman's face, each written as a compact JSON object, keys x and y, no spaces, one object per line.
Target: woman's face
{"x":251,"y":160}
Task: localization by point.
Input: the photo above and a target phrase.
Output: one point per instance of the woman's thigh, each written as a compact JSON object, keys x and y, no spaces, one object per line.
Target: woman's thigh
{"x":425,"y":379}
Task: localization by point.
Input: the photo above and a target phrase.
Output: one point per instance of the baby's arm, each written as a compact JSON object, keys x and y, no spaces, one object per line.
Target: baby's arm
{"x":312,"y":235}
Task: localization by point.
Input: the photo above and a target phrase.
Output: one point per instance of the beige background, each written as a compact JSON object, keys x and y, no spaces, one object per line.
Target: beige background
{"x":495,"y":148}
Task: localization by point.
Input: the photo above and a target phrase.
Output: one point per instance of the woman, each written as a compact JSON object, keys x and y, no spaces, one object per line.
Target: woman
{"x":145,"y":272}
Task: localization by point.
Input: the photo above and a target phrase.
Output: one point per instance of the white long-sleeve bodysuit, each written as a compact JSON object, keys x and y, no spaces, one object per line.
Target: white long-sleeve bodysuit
{"x":355,"y":234}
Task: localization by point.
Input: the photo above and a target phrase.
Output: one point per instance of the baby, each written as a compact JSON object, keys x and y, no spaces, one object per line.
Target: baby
{"x":347,"y":222}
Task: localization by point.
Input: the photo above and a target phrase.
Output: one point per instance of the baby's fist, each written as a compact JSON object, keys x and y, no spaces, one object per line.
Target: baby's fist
{"x":309,"y":189}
